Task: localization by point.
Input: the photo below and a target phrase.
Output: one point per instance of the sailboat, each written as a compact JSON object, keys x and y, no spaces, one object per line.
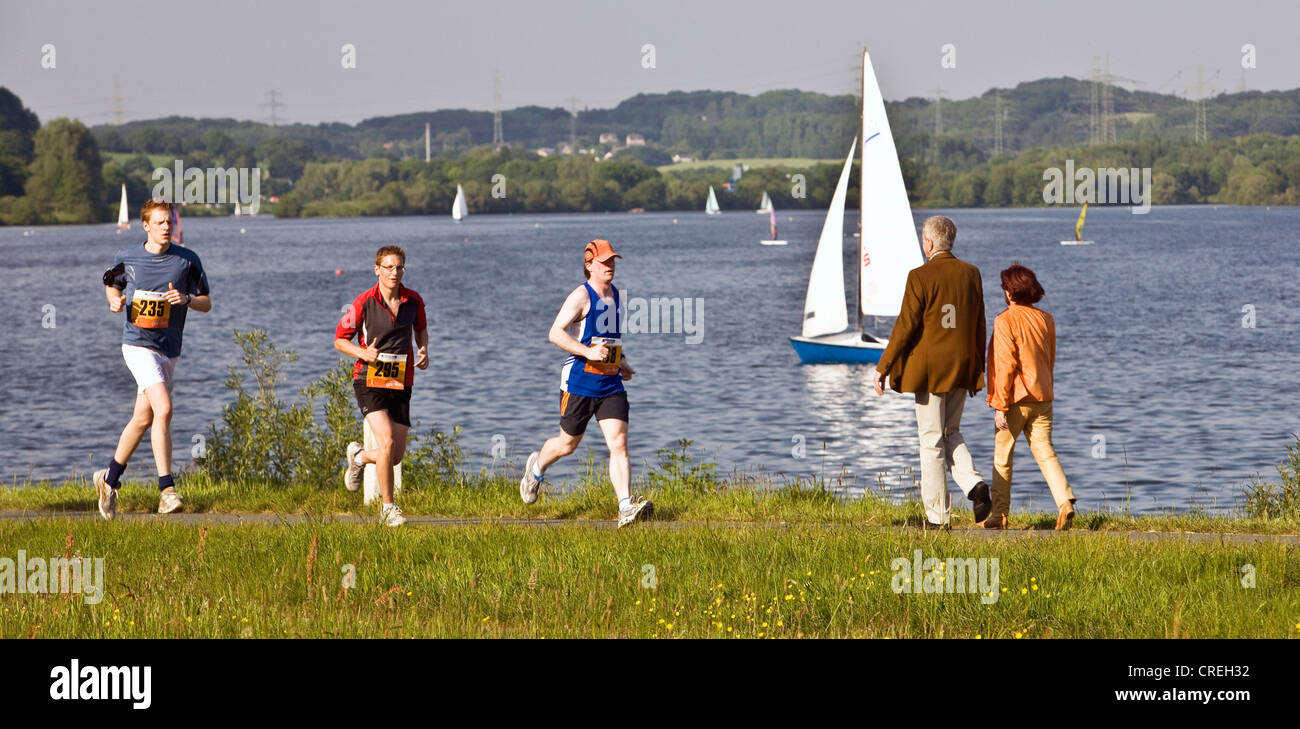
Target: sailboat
{"x":764,"y":205}
{"x":711,"y":207}
{"x":1078,"y":230}
{"x":888,"y":247}
{"x":774,"y":241}
{"x":123,"y":217}
{"x":458,"y":207}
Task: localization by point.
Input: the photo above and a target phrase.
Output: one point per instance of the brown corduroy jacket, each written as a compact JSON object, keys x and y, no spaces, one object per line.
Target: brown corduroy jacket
{"x":937,"y":344}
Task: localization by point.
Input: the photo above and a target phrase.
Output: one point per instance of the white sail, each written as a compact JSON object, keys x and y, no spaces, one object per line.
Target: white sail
{"x":889,"y":244}
{"x":824,"y":310}
{"x":458,"y":208}
{"x":123,"y":217}
{"x":711,"y":207}
{"x":765,"y":204}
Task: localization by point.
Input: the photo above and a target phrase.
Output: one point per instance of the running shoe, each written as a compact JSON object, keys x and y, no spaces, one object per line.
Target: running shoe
{"x":392,"y":515}
{"x":529,"y":485}
{"x":639,"y":510}
{"x":352,"y":480}
{"x":107,"y":494}
{"x":169,"y":501}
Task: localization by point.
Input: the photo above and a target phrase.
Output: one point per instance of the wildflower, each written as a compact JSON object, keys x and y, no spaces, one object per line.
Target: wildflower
{"x":779,"y":623}
{"x":1034,"y":586}
{"x":669,"y":626}
{"x":1004,"y":589}
{"x":978,"y":636}
{"x":728,"y":628}
{"x":1018,"y":633}
{"x":788,"y":596}
{"x":486,"y":618}
{"x":1024,"y":591}
{"x":764,"y":623}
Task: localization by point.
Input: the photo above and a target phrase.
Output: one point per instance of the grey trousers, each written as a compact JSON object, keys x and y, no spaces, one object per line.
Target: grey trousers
{"x":938,"y":421}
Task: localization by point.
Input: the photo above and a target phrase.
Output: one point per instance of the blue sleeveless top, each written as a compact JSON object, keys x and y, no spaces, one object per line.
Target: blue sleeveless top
{"x":596,"y":379}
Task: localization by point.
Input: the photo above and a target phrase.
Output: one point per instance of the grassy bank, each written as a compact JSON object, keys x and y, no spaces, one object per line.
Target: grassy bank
{"x":511,"y":581}
{"x":677,"y":497}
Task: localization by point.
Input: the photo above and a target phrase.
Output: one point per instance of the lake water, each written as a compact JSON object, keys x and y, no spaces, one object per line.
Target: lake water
{"x":1163,"y":398}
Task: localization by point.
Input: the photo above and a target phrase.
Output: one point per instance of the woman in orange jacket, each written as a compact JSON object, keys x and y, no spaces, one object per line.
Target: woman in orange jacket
{"x":1022,"y":352}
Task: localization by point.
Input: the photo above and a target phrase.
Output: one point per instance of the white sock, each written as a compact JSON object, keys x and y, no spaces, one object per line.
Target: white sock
{"x":357,"y":459}
{"x":625,"y":504}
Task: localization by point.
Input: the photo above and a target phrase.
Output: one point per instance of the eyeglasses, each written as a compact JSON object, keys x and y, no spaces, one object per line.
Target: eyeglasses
{"x":393,"y":269}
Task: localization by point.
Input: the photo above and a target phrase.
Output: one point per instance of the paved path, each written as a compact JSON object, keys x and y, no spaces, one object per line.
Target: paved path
{"x":203,"y":519}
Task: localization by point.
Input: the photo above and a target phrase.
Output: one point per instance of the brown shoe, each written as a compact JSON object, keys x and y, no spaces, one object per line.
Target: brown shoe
{"x":1065,"y":518}
{"x":995,"y":521}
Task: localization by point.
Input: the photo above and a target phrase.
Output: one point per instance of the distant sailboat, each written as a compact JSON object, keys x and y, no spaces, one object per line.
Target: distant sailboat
{"x":764,"y":205}
{"x":888,"y":248}
{"x":123,"y":216}
{"x":711,"y":207}
{"x":774,"y":241}
{"x":1078,"y":230}
{"x":458,"y":208}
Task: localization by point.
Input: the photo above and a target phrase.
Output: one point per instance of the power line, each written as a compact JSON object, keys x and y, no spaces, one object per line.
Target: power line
{"x":273,"y":104}
{"x":498,"y":137}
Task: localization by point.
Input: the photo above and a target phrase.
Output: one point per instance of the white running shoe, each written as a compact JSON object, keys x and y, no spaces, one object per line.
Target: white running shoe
{"x":169,"y":501}
{"x":529,"y":485}
{"x":638,"y":511}
{"x":352,"y":480}
{"x":392,"y":515}
{"x":107,"y":494}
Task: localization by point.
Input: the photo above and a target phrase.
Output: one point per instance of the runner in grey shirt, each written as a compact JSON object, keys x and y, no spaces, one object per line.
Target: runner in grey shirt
{"x":154,"y":283}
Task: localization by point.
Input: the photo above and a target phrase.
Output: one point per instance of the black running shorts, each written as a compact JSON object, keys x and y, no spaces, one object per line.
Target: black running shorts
{"x":576,"y":410}
{"x":396,"y":402}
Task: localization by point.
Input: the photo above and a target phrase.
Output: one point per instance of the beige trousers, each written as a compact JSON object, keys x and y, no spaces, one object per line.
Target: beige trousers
{"x":938,"y":423}
{"x":1034,"y":419}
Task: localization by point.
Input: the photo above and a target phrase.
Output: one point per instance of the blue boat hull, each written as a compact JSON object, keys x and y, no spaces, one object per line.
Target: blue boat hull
{"x":837,"y":349}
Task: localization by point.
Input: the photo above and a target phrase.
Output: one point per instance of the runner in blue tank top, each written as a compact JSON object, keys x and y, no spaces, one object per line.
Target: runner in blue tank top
{"x":588,"y":327}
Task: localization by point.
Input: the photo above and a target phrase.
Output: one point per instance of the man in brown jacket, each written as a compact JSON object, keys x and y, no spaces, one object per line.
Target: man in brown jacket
{"x":937,"y":352}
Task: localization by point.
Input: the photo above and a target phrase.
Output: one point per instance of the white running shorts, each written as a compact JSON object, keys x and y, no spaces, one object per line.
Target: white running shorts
{"x":149,"y":366}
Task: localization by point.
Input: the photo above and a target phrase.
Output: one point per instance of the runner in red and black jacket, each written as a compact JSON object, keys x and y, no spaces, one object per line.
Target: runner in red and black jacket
{"x":385,"y":317}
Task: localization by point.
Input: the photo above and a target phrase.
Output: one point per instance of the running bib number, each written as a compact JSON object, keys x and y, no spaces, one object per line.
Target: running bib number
{"x":388,"y":372}
{"x":613,"y":356}
{"x":149,"y":310}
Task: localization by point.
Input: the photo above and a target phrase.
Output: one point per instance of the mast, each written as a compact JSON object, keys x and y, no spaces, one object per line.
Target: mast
{"x":862,"y":91}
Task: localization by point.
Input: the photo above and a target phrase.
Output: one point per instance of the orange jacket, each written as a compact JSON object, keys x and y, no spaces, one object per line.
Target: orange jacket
{"x":1022,"y":352}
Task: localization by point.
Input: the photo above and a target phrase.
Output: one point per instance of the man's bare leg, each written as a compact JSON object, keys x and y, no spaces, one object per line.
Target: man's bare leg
{"x":135,"y":429}
{"x":620,"y":471}
{"x":160,"y":431}
{"x":390,"y":448}
{"x":556,"y":448}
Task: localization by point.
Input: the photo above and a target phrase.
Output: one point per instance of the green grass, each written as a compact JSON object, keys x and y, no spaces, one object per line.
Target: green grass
{"x":677,"y":497}
{"x":157,"y":160}
{"x":755,"y":163}
{"x":174,"y":581}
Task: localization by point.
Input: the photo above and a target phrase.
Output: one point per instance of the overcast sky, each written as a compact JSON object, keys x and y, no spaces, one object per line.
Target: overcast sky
{"x":221,"y":59}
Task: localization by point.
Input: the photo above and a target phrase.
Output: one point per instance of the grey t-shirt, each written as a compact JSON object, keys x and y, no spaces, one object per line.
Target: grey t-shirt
{"x":143,"y":277}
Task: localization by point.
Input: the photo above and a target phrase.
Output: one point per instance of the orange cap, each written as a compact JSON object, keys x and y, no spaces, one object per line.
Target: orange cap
{"x":599,"y":250}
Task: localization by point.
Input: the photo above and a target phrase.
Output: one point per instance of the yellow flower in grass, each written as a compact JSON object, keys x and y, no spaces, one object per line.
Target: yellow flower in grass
{"x":669,"y":626}
{"x":779,"y":623}
{"x":978,"y":636}
{"x":1018,"y":634}
{"x":1024,"y":591}
{"x":1034,"y":587}
{"x":486,"y":618}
